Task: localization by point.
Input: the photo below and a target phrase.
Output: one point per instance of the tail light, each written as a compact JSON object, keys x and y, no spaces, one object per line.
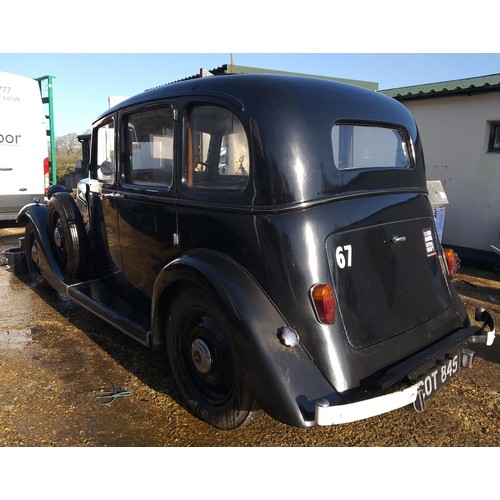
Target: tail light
{"x":46,"y":174}
{"x":452,"y":261}
{"x":324,"y":303}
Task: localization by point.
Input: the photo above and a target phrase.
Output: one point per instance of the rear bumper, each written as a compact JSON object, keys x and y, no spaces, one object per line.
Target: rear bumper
{"x":405,"y":374}
{"x":342,"y":414}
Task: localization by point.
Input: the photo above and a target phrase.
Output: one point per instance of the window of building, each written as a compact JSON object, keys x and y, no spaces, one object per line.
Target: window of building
{"x":494,"y":142}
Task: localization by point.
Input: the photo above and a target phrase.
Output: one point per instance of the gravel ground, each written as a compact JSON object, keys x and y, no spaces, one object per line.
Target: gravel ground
{"x":55,"y":357}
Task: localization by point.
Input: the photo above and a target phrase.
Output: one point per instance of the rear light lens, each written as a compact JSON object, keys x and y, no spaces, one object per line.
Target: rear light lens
{"x":46,"y":174}
{"x":324,"y":303}
{"x":452,"y":261}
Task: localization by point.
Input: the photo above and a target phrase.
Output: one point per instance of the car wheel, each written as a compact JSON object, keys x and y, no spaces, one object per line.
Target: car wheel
{"x":68,"y":233}
{"x":204,"y":363}
{"x":32,"y":254}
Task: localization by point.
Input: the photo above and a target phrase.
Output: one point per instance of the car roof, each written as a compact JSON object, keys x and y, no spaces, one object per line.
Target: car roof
{"x":246,"y":88}
{"x":290,"y":119}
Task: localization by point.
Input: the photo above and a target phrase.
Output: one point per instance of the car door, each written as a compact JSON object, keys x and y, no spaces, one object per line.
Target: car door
{"x":146,"y":195}
{"x":103,"y":187}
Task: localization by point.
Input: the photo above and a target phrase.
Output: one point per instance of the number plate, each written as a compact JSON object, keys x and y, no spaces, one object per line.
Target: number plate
{"x":435,"y":379}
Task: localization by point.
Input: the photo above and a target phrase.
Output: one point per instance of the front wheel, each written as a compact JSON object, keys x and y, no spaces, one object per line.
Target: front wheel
{"x":204,"y":362}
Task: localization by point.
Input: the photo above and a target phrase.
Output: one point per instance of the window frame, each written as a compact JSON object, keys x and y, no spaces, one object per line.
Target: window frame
{"x":410,"y":149}
{"x":125,"y":163}
{"x":95,"y":166}
{"x":494,"y":130}
{"x":201,"y":192}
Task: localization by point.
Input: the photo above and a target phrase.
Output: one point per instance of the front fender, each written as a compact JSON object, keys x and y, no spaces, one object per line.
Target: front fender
{"x":37,"y":214}
{"x":284,"y":380}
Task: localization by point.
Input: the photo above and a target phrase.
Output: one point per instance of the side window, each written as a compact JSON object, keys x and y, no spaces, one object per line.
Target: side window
{"x":106,"y":153}
{"x":150,"y":147}
{"x":217,"y":150}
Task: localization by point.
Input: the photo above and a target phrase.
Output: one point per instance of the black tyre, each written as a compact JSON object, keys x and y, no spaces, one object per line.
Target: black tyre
{"x":204,"y":362}
{"x":68,"y":234}
{"x":32,"y":253}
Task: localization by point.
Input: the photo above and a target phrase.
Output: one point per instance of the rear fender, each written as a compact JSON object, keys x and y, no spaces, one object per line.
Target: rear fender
{"x":284,"y":380}
{"x":37,"y":214}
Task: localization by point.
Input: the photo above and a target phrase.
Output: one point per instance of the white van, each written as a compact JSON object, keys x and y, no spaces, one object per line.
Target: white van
{"x":24,"y":164}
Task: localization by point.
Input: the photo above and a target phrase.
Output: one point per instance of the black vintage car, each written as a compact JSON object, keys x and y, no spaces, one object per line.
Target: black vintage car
{"x":275,"y":235}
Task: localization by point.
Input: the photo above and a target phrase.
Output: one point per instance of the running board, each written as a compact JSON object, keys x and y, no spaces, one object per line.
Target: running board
{"x":103,"y":301}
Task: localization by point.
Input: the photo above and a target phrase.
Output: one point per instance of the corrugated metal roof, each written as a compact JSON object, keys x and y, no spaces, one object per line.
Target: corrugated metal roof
{"x":463,"y":86}
{"x":227,"y":69}
{"x":248,"y":69}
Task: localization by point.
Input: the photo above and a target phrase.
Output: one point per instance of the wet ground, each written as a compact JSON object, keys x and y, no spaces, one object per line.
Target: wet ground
{"x":55,"y":358}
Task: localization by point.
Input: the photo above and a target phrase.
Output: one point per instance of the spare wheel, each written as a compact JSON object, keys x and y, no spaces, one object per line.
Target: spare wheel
{"x":68,"y":233}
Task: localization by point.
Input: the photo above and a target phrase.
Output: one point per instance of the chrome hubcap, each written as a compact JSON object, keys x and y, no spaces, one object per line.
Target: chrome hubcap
{"x":34,"y":254}
{"x":201,"y":356}
{"x":58,"y":237}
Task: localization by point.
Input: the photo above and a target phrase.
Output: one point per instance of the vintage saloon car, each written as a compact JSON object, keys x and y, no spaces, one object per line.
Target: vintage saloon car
{"x":275,"y":235}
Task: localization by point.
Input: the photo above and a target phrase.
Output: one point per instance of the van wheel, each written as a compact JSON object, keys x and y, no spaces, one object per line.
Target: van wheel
{"x":32,"y":253}
{"x":203,"y":360}
{"x":68,"y":233}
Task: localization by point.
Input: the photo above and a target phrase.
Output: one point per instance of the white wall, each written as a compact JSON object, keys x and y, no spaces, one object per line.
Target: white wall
{"x":455,"y":132}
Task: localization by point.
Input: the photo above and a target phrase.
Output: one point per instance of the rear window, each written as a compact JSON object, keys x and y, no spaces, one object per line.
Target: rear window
{"x":369,"y":146}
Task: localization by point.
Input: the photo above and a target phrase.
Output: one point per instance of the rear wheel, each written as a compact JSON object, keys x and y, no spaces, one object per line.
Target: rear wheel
{"x":32,"y":253}
{"x":204,"y":362}
{"x":68,"y":233}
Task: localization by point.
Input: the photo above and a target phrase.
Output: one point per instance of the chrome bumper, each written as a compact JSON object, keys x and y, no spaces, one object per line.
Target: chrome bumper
{"x":342,"y":414}
{"x":326,"y":414}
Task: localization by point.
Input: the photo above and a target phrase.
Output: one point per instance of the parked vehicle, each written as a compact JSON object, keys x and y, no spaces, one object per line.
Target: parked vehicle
{"x":24,"y":163}
{"x":275,"y":235}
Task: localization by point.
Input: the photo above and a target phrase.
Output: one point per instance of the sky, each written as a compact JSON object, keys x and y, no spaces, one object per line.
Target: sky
{"x":84,"y":81}
{"x":101,"y":50}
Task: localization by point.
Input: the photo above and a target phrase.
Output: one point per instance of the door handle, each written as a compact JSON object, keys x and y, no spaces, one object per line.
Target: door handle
{"x":113,"y":195}
{"x":398,"y":239}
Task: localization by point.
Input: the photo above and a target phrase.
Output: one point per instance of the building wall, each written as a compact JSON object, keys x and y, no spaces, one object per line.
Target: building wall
{"x":455,"y":132}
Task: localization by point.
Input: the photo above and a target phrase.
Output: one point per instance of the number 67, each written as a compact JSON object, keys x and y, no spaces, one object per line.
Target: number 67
{"x":341,"y":257}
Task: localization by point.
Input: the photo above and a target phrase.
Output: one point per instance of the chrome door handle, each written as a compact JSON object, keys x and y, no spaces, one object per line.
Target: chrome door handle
{"x":398,"y":239}
{"x":113,"y":194}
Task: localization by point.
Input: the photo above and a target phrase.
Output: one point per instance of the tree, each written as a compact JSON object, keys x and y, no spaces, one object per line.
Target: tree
{"x":68,"y":151}
{"x":68,"y":144}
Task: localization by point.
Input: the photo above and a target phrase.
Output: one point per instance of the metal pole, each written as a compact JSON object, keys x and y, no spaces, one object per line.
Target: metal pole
{"x":53,"y":154}
{"x":50,"y":132}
